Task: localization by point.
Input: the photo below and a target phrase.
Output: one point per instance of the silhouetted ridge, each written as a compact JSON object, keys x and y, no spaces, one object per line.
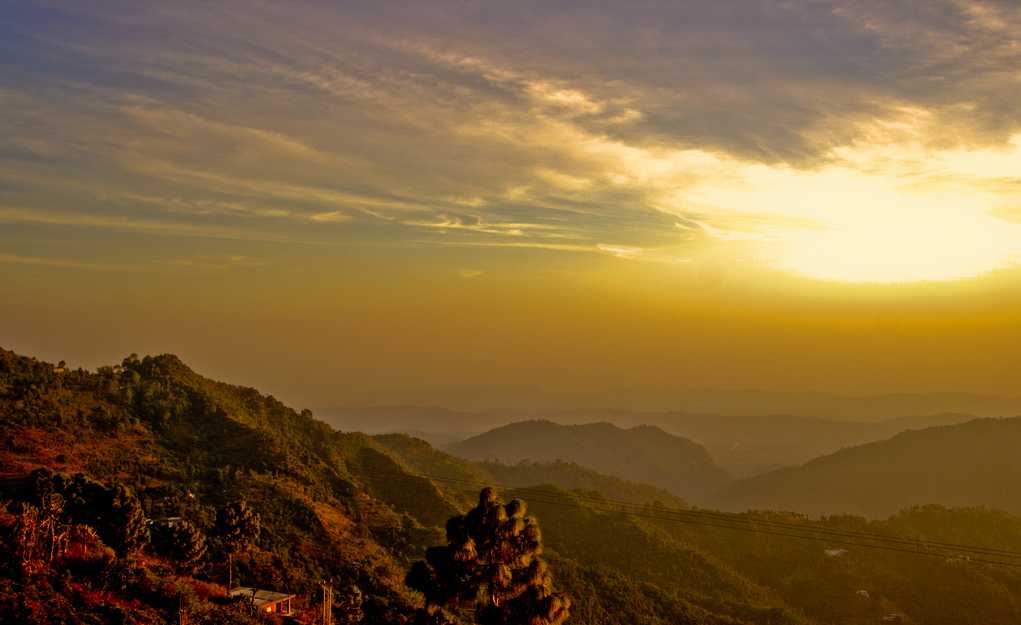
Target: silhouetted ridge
{"x":970,"y":464}
{"x":642,"y":453}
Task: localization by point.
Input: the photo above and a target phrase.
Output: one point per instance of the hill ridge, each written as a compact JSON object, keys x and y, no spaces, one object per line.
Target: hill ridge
{"x":642,"y":453}
{"x":966,"y":464}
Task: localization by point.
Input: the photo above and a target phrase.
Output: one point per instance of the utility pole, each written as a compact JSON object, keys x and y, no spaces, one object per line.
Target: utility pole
{"x":182,"y":618}
{"x":327,"y":604}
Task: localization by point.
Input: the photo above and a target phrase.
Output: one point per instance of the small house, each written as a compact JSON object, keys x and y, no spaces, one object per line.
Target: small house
{"x":170,"y":521}
{"x":265,"y":601}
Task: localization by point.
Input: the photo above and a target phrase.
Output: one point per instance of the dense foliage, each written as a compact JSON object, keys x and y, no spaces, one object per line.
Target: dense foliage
{"x":237,"y":528}
{"x":149,"y":448}
{"x":141,"y":459}
{"x":491,"y":562}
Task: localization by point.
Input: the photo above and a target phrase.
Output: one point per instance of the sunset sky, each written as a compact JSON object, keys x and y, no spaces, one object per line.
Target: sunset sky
{"x":342,"y":201}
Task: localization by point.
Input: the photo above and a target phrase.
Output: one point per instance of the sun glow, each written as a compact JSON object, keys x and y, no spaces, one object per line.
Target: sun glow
{"x":893,"y":206}
{"x":896,"y":214}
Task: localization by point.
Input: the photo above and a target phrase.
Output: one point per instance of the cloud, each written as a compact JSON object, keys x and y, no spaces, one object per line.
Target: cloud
{"x":621,"y":251}
{"x":220,"y":261}
{"x":81,"y":220}
{"x":538,"y":126}
{"x":63,"y":263}
{"x":330,"y":217}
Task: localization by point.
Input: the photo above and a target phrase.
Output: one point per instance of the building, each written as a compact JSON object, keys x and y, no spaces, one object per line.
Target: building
{"x":170,"y":521}
{"x":265,"y":601}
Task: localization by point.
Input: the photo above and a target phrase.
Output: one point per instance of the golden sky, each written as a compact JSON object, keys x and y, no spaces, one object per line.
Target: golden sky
{"x":337,"y":200}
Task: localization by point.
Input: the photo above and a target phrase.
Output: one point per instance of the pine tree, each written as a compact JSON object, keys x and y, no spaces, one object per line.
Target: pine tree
{"x":124,"y":527}
{"x":182,"y":542}
{"x":237,"y":527}
{"x":113,"y":512}
{"x":491,"y":561}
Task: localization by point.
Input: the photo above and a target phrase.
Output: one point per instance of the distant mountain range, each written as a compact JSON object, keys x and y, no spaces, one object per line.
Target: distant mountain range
{"x":971,"y":464}
{"x":359,"y":509}
{"x":461,"y":473}
{"x":496,"y":406}
{"x":439,"y":426}
{"x":742,"y":445}
{"x":975,"y":463}
{"x":750,"y":445}
{"x":642,"y":453}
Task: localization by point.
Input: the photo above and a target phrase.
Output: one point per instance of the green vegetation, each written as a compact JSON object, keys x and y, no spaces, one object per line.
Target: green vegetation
{"x":237,"y":528}
{"x":153,"y":441}
{"x":492,"y":563}
{"x":180,"y":542}
{"x":118,"y":504}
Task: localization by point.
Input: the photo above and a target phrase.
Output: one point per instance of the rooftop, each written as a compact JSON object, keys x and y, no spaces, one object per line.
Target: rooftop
{"x":261,"y":597}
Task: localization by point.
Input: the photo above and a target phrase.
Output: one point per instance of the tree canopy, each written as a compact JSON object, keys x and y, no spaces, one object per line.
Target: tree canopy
{"x":492,"y":563}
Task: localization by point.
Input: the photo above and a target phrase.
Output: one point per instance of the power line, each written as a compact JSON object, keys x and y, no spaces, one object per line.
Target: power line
{"x":770,"y":527}
{"x":731,"y":517}
{"x":738,"y":518}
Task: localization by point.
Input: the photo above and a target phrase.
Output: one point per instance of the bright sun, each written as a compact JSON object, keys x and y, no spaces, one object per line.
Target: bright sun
{"x":899,"y":213}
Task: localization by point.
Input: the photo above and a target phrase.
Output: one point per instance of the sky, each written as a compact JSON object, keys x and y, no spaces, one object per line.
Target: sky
{"x":344,"y":202}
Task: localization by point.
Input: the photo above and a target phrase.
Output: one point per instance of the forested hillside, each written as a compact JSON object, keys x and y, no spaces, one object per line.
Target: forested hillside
{"x":652,"y":567}
{"x":186,"y":446}
{"x":127,"y":491}
{"x":970,"y":464}
{"x":332,"y":505}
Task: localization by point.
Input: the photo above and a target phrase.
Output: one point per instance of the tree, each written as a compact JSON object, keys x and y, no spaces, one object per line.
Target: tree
{"x":182,"y":542}
{"x":39,"y":534}
{"x":124,"y":527}
{"x":349,"y":608}
{"x":237,"y":527}
{"x":113,"y":512}
{"x":492,"y":562}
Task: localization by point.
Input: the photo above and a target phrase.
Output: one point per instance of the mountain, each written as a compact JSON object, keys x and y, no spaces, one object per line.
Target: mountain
{"x":332,"y":504}
{"x":750,"y":445}
{"x":499,"y":405}
{"x":343,"y":506}
{"x":162,"y":445}
{"x":642,"y":453}
{"x":743,"y":445}
{"x":444,"y":468}
{"x":434,"y":424}
{"x":650,"y":569}
{"x":809,"y":404}
{"x":970,"y":464}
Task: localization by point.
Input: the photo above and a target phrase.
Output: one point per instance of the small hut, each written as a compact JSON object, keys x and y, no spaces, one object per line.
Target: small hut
{"x":265,"y":601}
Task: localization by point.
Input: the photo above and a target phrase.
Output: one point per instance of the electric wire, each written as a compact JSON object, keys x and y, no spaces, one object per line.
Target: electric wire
{"x":849,"y":538}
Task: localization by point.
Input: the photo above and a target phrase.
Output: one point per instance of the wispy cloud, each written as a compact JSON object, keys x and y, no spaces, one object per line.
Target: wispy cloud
{"x":755,"y":133}
{"x":81,"y":220}
{"x":206,"y":261}
{"x":63,"y":263}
